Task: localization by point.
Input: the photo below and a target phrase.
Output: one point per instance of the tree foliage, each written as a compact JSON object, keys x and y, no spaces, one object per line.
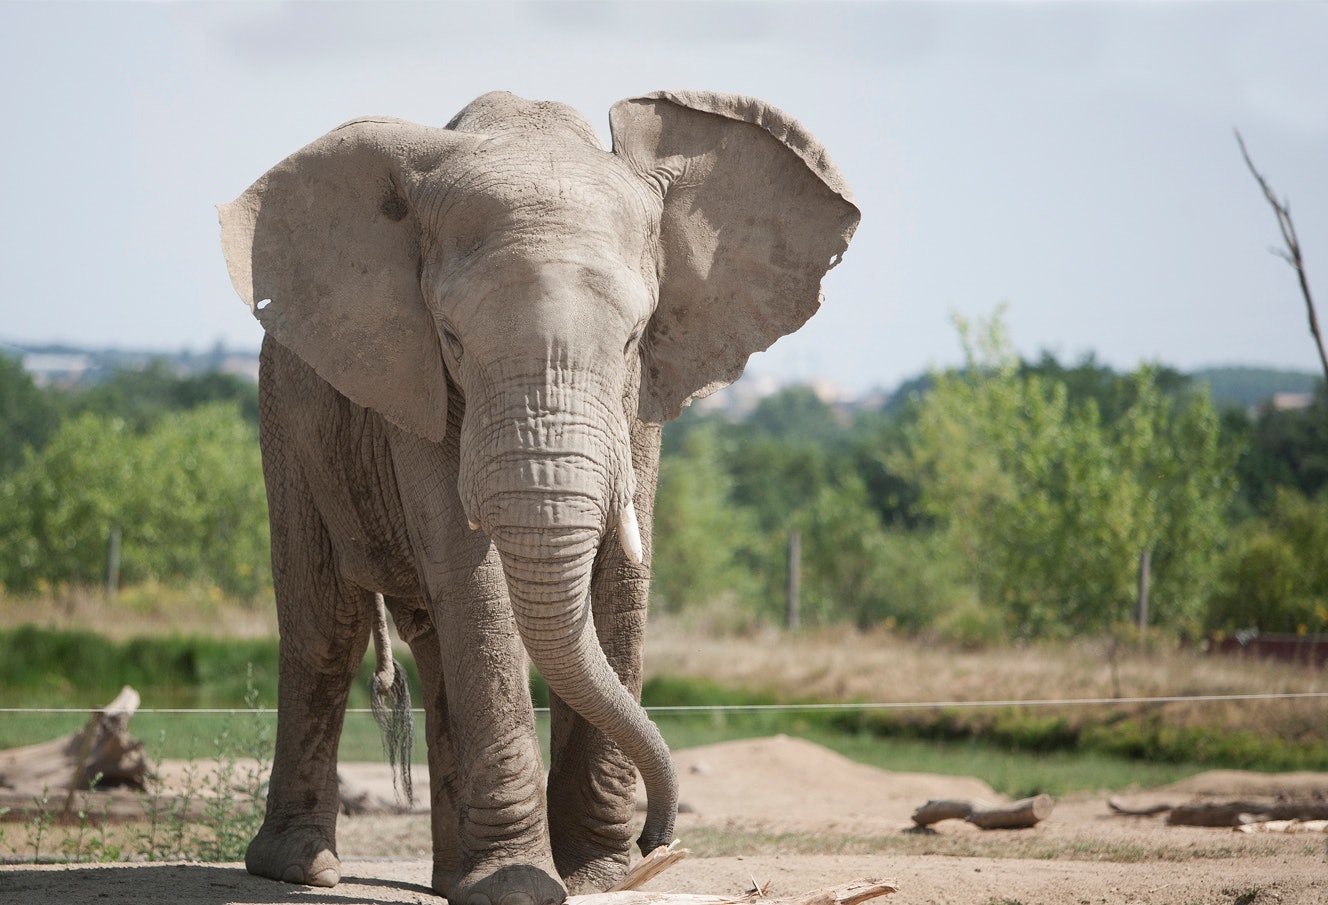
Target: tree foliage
{"x":27,"y":415}
{"x":1048,"y":507}
{"x":1275,"y":578}
{"x":186,"y":497}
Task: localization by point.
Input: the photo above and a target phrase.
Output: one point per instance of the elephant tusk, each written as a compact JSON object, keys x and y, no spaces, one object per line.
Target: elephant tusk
{"x":629,"y":533}
{"x":473,"y":526}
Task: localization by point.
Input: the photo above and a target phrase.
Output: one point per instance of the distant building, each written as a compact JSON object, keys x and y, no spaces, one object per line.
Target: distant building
{"x":1292,"y":401}
{"x":58,"y":369}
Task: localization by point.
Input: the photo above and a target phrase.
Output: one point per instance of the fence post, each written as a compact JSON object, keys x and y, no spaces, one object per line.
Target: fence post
{"x":113,"y":565}
{"x":1145,"y":563}
{"x":793,"y":617}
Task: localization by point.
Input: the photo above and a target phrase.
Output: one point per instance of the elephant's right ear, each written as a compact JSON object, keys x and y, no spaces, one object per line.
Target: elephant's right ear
{"x":325,"y":250}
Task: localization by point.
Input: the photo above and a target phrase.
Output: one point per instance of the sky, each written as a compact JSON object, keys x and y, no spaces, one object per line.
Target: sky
{"x":1073,"y":162}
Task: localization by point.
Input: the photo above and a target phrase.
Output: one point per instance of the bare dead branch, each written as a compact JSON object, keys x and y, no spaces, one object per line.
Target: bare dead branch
{"x":1282,"y":208}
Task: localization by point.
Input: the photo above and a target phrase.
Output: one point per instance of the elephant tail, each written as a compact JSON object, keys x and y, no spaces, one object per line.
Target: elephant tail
{"x":389,"y":698}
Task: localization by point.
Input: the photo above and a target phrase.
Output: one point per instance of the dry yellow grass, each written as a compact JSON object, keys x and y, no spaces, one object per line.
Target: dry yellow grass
{"x":841,"y":664}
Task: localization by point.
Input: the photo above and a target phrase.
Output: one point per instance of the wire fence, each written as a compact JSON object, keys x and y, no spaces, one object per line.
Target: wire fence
{"x":789,"y":708}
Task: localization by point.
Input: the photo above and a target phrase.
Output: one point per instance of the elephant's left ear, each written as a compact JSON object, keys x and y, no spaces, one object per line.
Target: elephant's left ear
{"x":755,"y":214}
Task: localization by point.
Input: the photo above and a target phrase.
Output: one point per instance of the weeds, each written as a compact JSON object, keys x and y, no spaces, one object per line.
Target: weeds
{"x":213,"y":817}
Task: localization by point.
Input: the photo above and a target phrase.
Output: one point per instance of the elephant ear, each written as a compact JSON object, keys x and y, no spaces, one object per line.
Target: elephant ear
{"x":325,"y":250}
{"x":755,"y":214}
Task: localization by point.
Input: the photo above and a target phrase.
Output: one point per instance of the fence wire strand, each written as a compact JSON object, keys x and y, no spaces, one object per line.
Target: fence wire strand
{"x":786,"y":708}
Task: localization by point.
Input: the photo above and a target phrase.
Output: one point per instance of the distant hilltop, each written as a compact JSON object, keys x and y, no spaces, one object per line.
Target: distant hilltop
{"x":66,"y":366}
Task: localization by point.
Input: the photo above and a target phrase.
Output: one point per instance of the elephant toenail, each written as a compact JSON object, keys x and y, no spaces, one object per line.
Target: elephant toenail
{"x":517,"y":898}
{"x":327,"y":877}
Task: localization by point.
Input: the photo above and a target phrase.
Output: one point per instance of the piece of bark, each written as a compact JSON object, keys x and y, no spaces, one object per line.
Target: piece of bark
{"x":1020,"y":814}
{"x":102,"y":748}
{"x":651,"y":866}
{"x":1284,"y":826}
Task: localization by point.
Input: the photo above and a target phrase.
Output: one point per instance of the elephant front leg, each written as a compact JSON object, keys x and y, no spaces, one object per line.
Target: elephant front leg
{"x":592,"y":783}
{"x":502,"y":854}
{"x":324,"y":634}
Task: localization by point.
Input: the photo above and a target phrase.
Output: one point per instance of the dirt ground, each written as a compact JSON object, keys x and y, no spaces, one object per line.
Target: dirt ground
{"x":792,"y":817}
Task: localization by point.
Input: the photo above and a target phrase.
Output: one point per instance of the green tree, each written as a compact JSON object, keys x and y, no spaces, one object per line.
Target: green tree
{"x":1275,"y":576}
{"x":1049,"y":507}
{"x":187,"y":498}
{"x":1286,"y":448}
{"x":143,"y":397}
{"x":704,"y":545}
{"x":27,"y":416}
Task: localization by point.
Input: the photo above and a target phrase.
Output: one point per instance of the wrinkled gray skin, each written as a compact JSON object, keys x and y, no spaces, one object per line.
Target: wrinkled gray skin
{"x":473,"y":336}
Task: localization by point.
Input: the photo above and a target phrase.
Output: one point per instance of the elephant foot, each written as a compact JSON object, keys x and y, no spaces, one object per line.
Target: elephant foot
{"x":597,"y":875}
{"x":304,"y":855}
{"x":511,"y":884}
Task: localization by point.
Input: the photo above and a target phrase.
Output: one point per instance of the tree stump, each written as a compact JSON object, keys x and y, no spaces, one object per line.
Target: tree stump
{"x":102,"y":751}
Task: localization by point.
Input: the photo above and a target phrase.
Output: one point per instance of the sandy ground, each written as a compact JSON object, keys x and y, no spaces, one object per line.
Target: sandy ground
{"x":793,"y":817}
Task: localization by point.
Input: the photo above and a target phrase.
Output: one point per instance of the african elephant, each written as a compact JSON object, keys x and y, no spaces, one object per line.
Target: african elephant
{"x":473,"y":335}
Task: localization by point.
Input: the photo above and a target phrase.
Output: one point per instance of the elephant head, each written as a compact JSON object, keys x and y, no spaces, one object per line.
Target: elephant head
{"x":562,"y":291}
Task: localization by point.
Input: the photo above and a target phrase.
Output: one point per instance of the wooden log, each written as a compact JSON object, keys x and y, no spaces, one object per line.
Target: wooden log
{"x":939,"y":809}
{"x":1217,"y":813}
{"x":1238,"y":813}
{"x":854,"y":893}
{"x":1018,"y":815}
{"x":103,"y":750}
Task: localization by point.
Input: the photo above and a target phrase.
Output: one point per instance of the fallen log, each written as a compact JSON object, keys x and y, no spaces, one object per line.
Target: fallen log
{"x":1238,"y":813}
{"x":101,"y":753}
{"x":849,"y":894}
{"x":628,"y":891}
{"x":1020,"y":814}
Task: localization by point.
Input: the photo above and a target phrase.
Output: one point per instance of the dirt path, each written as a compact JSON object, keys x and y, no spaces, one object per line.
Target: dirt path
{"x":798,"y":817}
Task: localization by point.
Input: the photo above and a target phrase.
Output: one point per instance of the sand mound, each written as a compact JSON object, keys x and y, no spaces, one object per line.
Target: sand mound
{"x":789,"y":779}
{"x":1245,"y":784}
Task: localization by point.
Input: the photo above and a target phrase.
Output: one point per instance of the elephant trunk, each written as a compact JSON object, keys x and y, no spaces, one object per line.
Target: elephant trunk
{"x":545,"y":472}
{"x":550,"y":596}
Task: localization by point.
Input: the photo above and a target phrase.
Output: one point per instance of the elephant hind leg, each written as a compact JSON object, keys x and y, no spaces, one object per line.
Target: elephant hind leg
{"x":325,"y":624}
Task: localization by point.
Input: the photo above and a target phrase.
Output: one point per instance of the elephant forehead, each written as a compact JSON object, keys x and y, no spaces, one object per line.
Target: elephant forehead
{"x":513,"y":177}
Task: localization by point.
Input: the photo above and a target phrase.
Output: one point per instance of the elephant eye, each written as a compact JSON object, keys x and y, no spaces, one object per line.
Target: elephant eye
{"x":453,"y":344}
{"x":634,"y":340}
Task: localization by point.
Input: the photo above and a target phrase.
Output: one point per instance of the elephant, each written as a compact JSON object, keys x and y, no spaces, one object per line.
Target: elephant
{"x":472,"y":336}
